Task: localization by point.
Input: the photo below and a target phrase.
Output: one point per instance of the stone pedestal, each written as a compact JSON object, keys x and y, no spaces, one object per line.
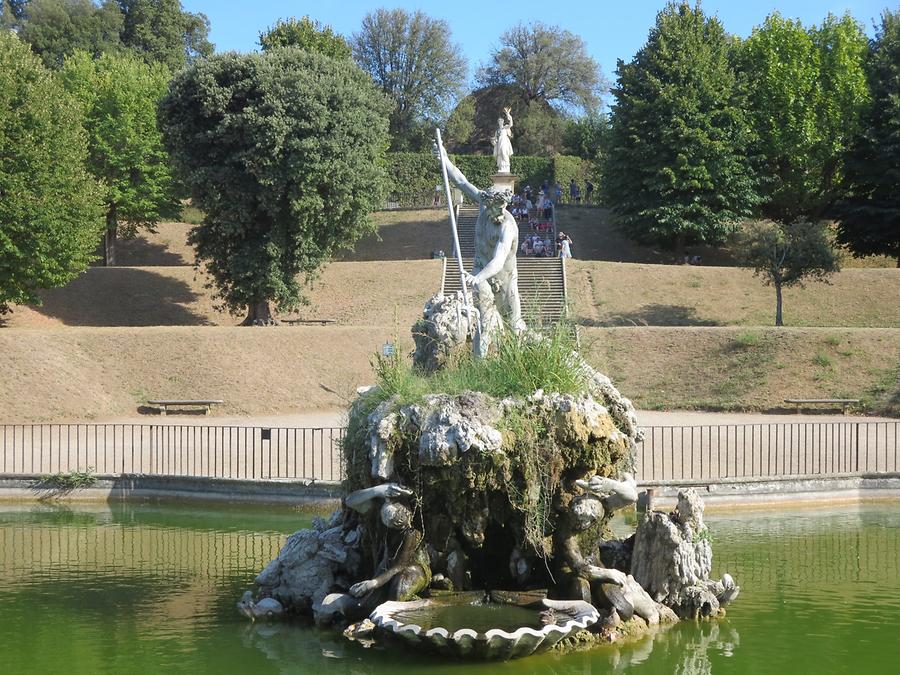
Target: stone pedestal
{"x":504,"y":181}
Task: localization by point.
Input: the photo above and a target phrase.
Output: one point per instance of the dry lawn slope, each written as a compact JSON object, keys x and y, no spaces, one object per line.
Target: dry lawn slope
{"x":98,"y":373}
{"x":387,"y":294}
{"x":101,"y":373}
{"x":747,"y":369}
{"x":627,"y":294}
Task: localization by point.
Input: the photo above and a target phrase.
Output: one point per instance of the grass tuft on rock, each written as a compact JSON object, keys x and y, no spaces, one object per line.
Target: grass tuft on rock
{"x":517,"y":366}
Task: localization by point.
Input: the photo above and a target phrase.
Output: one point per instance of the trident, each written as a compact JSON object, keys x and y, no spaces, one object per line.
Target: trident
{"x":469,"y":309}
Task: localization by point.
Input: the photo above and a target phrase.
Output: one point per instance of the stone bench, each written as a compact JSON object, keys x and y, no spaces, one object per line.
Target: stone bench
{"x":843,"y":402}
{"x":206,"y":404}
{"x":294,"y":321}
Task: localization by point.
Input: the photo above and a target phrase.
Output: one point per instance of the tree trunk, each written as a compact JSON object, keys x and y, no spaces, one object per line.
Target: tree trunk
{"x":778,"y":321}
{"x":679,"y":249}
{"x":259,"y":314}
{"x":109,"y":240}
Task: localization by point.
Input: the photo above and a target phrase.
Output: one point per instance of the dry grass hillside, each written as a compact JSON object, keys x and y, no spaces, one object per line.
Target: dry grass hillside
{"x":748,"y":368}
{"x":624,"y":294}
{"x":91,"y":373}
{"x":103,"y":373}
{"x":391,"y":294}
{"x":671,"y":336}
{"x":361,"y":294}
{"x":412,"y":234}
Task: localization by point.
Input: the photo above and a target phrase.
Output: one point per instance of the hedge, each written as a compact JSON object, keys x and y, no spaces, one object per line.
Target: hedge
{"x":414,"y":175}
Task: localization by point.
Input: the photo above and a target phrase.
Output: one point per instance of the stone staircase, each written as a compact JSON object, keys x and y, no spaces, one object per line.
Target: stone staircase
{"x":466,"y":215}
{"x":542,"y":281}
{"x":542,"y":287}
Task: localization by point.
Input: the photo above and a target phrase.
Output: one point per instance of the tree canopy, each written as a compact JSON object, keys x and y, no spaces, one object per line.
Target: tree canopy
{"x":676,"y":170}
{"x":411,"y":57}
{"x":50,"y":207}
{"x":306,"y":34}
{"x":120,"y":95}
{"x":548,"y":63}
{"x":57,"y":28}
{"x":587,"y":136}
{"x":284,"y":152}
{"x":869,"y":215}
{"x":786,"y":254}
{"x":537,"y":127}
{"x":806,"y":90}
{"x":160,"y":31}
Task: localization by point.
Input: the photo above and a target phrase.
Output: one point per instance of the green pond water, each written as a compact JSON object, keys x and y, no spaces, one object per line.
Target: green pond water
{"x":146,"y":589}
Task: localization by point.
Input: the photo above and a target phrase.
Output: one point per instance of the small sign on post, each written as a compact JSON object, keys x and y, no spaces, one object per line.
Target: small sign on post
{"x":387,"y":349}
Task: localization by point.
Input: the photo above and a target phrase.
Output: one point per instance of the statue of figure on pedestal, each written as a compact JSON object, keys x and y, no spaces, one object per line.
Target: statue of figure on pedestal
{"x":494,"y":274}
{"x":502,"y":142}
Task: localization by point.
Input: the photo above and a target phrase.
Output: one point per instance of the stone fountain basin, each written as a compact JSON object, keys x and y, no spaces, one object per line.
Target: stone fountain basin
{"x":433,"y":624}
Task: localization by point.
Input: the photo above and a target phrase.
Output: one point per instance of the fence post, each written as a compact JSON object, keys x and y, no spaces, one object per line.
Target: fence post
{"x":856,"y":452}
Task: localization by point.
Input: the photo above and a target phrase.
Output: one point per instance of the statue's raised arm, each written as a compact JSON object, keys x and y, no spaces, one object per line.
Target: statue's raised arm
{"x":456,"y":176}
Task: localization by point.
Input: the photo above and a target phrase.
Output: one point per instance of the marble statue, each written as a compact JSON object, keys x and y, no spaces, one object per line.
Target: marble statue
{"x":494,"y":277}
{"x":404,"y":568}
{"x":613,"y":494}
{"x":502,"y":142}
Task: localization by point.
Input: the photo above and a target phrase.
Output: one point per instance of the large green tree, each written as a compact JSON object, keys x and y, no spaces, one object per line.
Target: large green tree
{"x":50,"y":207}
{"x":284,"y":152}
{"x":806,"y":90}
{"x":676,"y":170}
{"x":784,"y":255}
{"x":412,"y":58}
{"x":57,"y":28}
{"x":120,"y":94}
{"x":869,"y":215}
{"x":548,"y":63}
{"x":161,"y":31}
{"x":306,"y":34}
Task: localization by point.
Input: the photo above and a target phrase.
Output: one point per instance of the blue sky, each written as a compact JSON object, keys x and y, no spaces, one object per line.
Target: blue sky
{"x":611,"y":30}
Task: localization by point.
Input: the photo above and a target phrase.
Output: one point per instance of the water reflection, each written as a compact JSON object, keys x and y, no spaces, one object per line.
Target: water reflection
{"x":684,"y":649}
{"x":141,"y":588}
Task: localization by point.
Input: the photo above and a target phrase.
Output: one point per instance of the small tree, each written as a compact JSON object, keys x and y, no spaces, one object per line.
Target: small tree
{"x":306,"y":34}
{"x":786,"y":254}
{"x":284,"y":152}
{"x":50,"y":207}
{"x":120,"y":95}
{"x":869,"y":215}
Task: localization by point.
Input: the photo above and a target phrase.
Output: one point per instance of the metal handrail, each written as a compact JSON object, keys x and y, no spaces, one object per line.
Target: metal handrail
{"x":667,"y":453}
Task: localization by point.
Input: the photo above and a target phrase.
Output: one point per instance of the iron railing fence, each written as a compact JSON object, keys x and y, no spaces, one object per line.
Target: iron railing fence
{"x":203,"y":451}
{"x":667,"y":453}
{"x":710,"y":452}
